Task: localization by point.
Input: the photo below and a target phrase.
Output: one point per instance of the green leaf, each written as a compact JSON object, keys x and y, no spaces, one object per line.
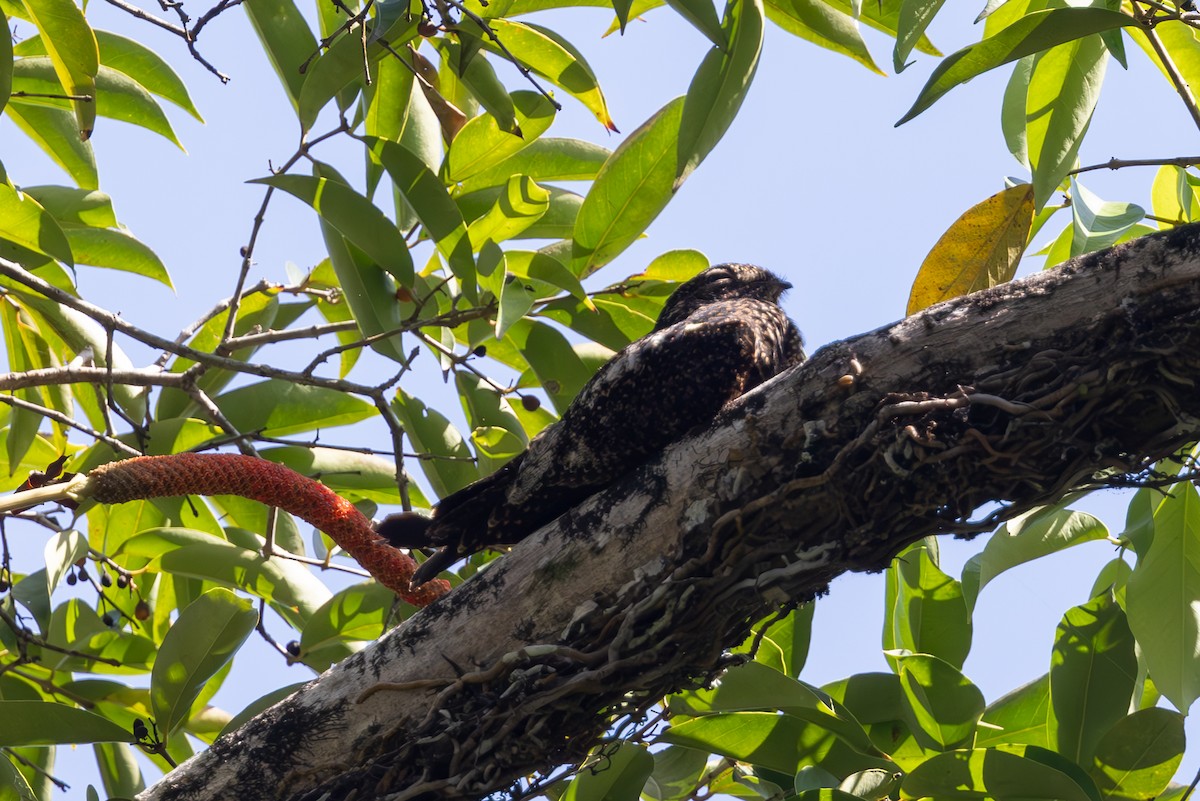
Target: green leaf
{"x":676,"y":773}
{"x":1063,"y":89}
{"x":1012,"y":110}
{"x":354,"y":216}
{"x":68,"y":204}
{"x":62,"y":551}
{"x":206,"y":635}
{"x":433,"y":205}
{"x":1138,"y":756}
{"x":631,"y":189}
{"x":702,"y":16}
{"x":925,"y":611}
{"x":1099,"y":224}
{"x":1163,"y":597}
{"x":286,"y":38}
{"x":755,"y":686}
{"x":24,"y":222}
{"x":450,"y":466}
{"x":118,"y":96}
{"x":1020,"y":717}
{"x":720,"y":85}
{"x":133,"y":59}
{"x":824,"y":25}
{"x":1004,"y":774}
{"x":619,"y":775}
{"x":6,"y":70}
{"x":768,"y":739}
{"x":558,"y":368}
{"x":49,"y":723}
{"x":72,"y":48}
{"x":915,"y":16}
{"x":553,"y":57}
{"x":116,"y":250}
{"x":56,"y":132}
{"x":357,"y":475}
{"x":1092,"y":673}
{"x":481,"y":144}
{"x":344,"y":62}
{"x":281,"y":407}
{"x":370,"y":293}
{"x":545,"y":159}
{"x":13,"y":786}
{"x":943,"y":706}
{"x":355,"y":614}
{"x":520,"y":205}
{"x":476,"y":74}
{"x":1030,"y":34}
{"x":1032,"y":535}
{"x":784,"y":646}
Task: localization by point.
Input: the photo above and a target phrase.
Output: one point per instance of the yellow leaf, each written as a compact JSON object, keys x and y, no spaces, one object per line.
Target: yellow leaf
{"x":980,"y":250}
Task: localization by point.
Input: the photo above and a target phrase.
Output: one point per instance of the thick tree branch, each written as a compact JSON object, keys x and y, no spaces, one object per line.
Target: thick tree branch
{"x":1082,"y":376}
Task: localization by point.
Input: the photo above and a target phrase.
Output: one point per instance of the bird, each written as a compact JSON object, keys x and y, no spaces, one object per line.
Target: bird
{"x":719,"y":335}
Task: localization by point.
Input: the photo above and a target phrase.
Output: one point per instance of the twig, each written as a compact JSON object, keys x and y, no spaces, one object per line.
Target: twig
{"x":1168,"y":65}
{"x":272,"y":336}
{"x":1116,"y":163}
{"x":66,"y":420}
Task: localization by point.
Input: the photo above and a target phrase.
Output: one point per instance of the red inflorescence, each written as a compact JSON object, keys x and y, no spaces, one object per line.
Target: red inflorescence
{"x":273,"y":484}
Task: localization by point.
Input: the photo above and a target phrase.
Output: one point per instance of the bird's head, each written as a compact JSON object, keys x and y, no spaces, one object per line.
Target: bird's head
{"x":722,"y":282}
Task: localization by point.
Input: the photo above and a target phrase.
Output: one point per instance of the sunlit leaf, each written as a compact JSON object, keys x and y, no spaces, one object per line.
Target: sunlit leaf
{"x":550,"y":55}
{"x":24,"y":222}
{"x":1163,"y":597}
{"x":1092,"y":671}
{"x":915,"y":16}
{"x":206,"y":635}
{"x":280,"y":407}
{"x":719,"y":85}
{"x":980,"y":250}
{"x":1099,"y":223}
{"x":286,"y":38}
{"x":1004,"y":773}
{"x":619,"y":776}
{"x":1030,"y":34}
{"x":78,"y":206}
{"x":116,"y":250}
{"x":118,"y":96}
{"x":1139,"y":755}
{"x":48,"y":723}
{"x":72,"y":48}
{"x":481,"y":143}
{"x":56,"y":132}
{"x":1020,"y":717}
{"x":450,"y":466}
{"x":364,"y":225}
{"x":631,"y":189}
{"x":943,"y":705}
{"x":824,"y":25}
{"x":925,"y":610}
{"x":1064,"y":86}
{"x":432,"y":204}
{"x":1027,"y":537}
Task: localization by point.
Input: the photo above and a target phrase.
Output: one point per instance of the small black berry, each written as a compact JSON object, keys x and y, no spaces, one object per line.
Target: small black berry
{"x":71,"y":580}
{"x":531,"y":403}
{"x":480,"y":351}
{"x":105,"y":580}
{"x":293,"y":648}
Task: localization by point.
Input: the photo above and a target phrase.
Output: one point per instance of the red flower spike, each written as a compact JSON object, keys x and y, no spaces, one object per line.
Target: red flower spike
{"x":272,"y":484}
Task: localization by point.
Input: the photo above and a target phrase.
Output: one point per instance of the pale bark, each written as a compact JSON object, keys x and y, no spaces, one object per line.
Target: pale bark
{"x":1014,"y":395}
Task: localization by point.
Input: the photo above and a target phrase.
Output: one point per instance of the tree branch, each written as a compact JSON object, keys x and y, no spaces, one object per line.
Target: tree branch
{"x":1077,"y":377}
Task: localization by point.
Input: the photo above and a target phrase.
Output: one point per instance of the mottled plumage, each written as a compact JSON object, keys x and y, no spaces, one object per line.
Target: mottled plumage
{"x":719,"y":335}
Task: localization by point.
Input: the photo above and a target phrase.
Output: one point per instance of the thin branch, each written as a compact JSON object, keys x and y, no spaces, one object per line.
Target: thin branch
{"x":287,"y":334}
{"x":153,"y":20}
{"x":1116,"y":163}
{"x":1168,"y":65}
{"x":71,"y":422}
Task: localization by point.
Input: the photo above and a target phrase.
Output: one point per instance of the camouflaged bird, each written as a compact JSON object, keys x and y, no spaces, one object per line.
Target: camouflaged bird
{"x":719,"y":335}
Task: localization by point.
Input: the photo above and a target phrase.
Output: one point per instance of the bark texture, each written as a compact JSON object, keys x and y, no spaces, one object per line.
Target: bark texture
{"x":1003,"y":400}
